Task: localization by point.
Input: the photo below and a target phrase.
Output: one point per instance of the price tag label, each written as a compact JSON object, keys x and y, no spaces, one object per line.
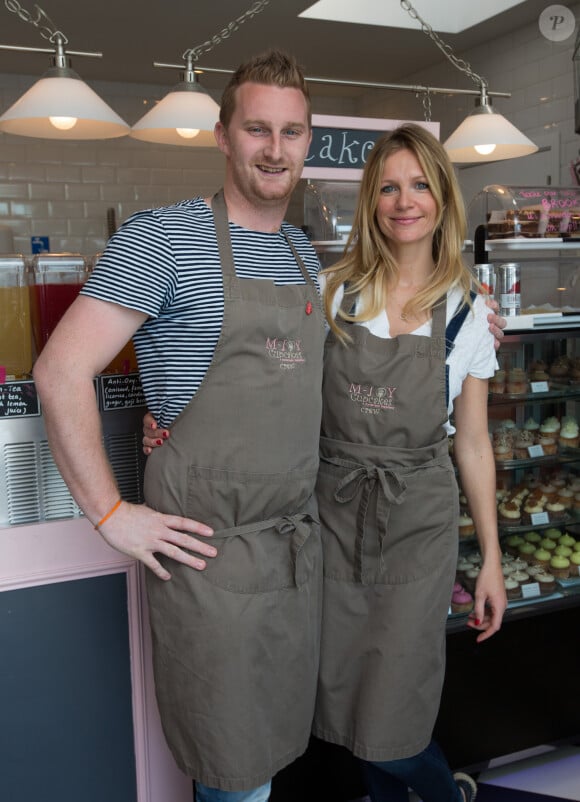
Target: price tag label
{"x":540,"y":387}
{"x":539,"y":518}
{"x":530,"y":589}
{"x":535,"y":451}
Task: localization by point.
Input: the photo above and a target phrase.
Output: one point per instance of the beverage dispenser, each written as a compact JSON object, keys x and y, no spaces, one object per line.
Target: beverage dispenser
{"x":15,"y":336}
{"x":55,"y":281}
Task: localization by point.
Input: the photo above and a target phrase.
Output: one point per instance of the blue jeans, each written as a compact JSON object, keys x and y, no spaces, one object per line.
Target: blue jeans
{"x":427,"y":773}
{"x":205,"y":794}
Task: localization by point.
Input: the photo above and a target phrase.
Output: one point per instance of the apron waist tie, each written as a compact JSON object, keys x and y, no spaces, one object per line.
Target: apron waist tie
{"x":371,"y":478}
{"x":298,"y":527}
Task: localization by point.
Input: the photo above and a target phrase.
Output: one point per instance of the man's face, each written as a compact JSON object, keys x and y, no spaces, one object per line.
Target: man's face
{"x":266,"y":142}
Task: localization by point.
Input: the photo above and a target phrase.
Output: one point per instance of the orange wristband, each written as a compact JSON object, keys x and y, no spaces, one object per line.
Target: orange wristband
{"x":106,"y":517}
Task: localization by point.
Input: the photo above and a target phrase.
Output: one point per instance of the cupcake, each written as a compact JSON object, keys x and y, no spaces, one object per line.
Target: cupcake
{"x":497,"y":382}
{"x":533,"y":537}
{"x":576,"y":546}
{"x":461,"y":601}
{"x":466,"y":526}
{"x":512,"y":589}
{"x":522,"y":443}
{"x":531,"y":507}
{"x":553,"y":533}
{"x":550,"y":425}
{"x":516,"y":381}
{"x":549,"y":443}
{"x":566,"y":497}
{"x":556,"y":510}
{"x":548,"y":544}
{"x":503,"y":446}
{"x":567,"y":540}
{"x":512,"y":544}
{"x":542,"y":558}
{"x":546,"y":582}
{"x":509,"y":514}
{"x":521,"y":577}
{"x":526,"y":552}
{"x":563,"y":551}
{"x":531,"y":425}
{"x":574,"y":563}
{"x":560,"y":567}
{"x":470,"y":578}
{"x":569,"y":436}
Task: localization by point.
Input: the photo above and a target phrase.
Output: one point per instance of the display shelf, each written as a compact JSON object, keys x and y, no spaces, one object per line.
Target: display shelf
{"x":555,"y":393}
{"x":562,"y":458}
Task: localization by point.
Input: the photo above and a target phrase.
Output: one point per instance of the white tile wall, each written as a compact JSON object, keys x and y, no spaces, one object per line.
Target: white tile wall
{"x":63,"y":189}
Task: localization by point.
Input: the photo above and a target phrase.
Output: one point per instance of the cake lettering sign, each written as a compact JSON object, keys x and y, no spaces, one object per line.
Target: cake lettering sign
{"x":538,"y":213}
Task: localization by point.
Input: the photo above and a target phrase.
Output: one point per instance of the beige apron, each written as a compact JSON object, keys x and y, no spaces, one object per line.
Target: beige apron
{"x":388,"y":505}
{"x":236,"y":647}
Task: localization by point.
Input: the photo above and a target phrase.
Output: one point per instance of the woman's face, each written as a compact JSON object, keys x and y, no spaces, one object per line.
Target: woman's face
{"x":406,"y":212}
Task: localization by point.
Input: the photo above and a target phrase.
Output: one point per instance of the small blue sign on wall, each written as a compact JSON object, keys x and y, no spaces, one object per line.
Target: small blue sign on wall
{"x":40,"y":244}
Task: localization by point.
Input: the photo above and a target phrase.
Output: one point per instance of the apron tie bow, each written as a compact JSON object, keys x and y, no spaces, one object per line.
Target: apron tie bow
{"x":298,"y":528}
{"x":369,"y":478}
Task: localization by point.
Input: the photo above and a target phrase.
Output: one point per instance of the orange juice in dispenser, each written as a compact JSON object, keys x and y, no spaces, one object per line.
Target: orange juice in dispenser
{"x":15,"y":332}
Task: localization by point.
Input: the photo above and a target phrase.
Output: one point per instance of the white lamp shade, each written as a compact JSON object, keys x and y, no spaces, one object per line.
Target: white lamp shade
{"x":180,"y":109}
{"x":487,"y":129}
{"x":62,"y":97}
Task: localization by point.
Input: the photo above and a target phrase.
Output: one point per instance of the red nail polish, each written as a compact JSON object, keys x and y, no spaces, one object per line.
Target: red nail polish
{"x":165,"y":435}
{"x":477,"y":622}
{"x":309,"y":308}
{"x":159,"y":442}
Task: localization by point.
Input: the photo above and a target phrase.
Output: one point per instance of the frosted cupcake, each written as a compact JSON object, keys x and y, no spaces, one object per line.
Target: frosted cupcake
{"x":569,"y":436}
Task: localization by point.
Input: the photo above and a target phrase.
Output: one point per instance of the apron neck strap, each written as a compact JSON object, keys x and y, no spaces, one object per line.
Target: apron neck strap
{"x":220,"y":214}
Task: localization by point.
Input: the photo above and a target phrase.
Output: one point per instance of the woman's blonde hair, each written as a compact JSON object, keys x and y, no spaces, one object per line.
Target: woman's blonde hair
{"x":368,"y":265}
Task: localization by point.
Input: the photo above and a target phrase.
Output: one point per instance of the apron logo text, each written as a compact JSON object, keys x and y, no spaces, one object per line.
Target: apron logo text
{"x":373,"y":400}
{"x":288,"y":352}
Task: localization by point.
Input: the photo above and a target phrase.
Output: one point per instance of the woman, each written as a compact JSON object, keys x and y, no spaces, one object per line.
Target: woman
{"x":407,"y":344}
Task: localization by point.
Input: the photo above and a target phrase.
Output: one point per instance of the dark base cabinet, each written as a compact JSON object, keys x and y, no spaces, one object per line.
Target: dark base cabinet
{"x":514,"y":691}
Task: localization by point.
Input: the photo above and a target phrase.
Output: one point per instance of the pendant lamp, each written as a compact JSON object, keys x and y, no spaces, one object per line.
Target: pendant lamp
{"x":487,"y":136}
{"x":59,"y":105}
{"x":186,"y":116}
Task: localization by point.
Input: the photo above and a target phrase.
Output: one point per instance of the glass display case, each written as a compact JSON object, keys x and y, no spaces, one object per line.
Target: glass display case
{"x":531,"y":212}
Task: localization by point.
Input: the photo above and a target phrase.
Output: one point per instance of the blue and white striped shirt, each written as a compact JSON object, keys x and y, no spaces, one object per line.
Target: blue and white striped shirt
{"x":165,"y":262}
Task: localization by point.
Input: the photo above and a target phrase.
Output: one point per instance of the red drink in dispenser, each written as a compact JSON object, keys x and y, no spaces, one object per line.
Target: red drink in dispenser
{"x":55,"y":282}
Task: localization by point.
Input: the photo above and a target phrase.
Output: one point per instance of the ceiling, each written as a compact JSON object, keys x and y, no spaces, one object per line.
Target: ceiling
{"x":133,"y":33}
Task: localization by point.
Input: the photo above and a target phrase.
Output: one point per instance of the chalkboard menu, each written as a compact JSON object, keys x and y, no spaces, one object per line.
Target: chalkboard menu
{"x":19,"y":400}
{"x":121,"y":392}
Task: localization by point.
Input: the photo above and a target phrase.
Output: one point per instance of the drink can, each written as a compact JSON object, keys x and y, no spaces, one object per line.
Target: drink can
{"x":485,"y":274}
{"x":509,"y":289}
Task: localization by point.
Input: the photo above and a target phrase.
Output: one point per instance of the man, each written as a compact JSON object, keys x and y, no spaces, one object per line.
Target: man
{"x":236,"y":637}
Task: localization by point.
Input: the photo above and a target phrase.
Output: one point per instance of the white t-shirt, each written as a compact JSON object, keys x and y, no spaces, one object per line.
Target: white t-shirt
{"x":474,"y":351}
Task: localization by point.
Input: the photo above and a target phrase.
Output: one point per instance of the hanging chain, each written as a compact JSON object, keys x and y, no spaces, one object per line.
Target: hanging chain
{"x":462,"y":66}
{"x":46,"y":27}
{"x":195,"y":52}
{"x":427,"y":105}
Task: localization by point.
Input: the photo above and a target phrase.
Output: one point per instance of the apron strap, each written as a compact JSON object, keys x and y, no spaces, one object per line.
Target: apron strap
{"x":451,"y":333}
{"x":297,"y":527}
{"x":220,"y":214}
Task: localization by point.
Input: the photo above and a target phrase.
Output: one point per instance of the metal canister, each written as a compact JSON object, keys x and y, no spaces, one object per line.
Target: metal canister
{"x":509,"y":289}
{"x":485,"y":274}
